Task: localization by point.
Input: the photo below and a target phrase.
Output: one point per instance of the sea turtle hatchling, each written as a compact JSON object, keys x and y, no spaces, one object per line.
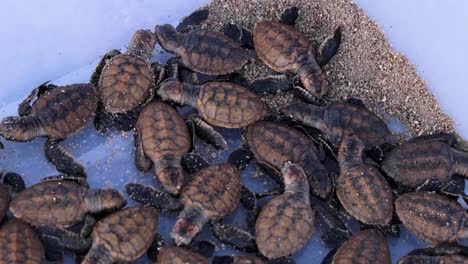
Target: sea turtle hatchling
{"x":427,"y":158}
{"x":440,"y":254}
{"x":162,"y":137}
{"x":432,"y":217}
{"x":57,"y":113}
{"x":285,"y":223}
{"x":125,"y":82}
{"x":366,"y":246}
{"x":212,"y":193}
{"x":361,"y":188}
{"x":20,"y":244}
{"x":338,"y":119}
{"x":51,"y":206}
{"x":221,"y":104}
{"x":180,"y":255}
{"x":123,"y":236}
{"x":275,"y":143}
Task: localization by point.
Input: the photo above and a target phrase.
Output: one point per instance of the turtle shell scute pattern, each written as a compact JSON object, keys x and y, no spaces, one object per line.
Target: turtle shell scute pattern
{"x":179,"y":255}
{"x":229,"y":105}
{"x":20,"y":244}
{"x":431,"y":217}
{"x":127,"y":234}
{"x":212,"y":53}
{"x":163,"y":131}
{"x":125,"y":83}
{"x":283,"y":226}
{"x":65,"y":110}
{"x":216,"y":190}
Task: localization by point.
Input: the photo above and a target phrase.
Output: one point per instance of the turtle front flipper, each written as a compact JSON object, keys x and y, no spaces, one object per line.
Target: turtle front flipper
{"x":94,"y":80}
{"x":159,"y":199}
{"x":24,"y":107}
{"x":142,"y":162}
{"x":236,"y":237}
{"x":193,"y":20}
{"x":239,"y":34}
{"x":329,"y":47}
{"x":207,"y":133}
{"x":271,"y":84}
{"x":193,"y":162}
{"x":15,"y":181}
{"x":241,"y":157}
{"x":62,"y":159}
{"x":289,"y":16}
{"x":317,"y":176}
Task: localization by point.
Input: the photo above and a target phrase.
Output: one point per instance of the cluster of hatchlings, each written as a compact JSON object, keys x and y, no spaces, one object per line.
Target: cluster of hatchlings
{"x":312,"y":151}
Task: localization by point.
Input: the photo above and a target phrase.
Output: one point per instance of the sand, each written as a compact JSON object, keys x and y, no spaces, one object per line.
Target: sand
{"x":365,"y":67}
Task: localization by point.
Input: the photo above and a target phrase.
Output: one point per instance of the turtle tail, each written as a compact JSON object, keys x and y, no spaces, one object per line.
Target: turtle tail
{"x":21,"y":128}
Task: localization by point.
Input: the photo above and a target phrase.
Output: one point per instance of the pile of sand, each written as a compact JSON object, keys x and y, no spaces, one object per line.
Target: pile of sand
{"x":365,"y":67}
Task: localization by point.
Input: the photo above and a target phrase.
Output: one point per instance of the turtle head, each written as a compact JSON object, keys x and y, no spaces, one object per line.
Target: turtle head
{"x":295,"y":180}
{"x":351,"y":150}
{"x":20,"y":128}
{"x":173,"y":90}
{"x":142,"y":44}
{"x":168,"y":38}
{"x":171,"y":178}
{"x":104,"y":200}
{"x":314,"y":83}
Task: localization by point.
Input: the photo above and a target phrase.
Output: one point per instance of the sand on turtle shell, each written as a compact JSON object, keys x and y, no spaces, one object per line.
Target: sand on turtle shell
{"x":365,"y":67}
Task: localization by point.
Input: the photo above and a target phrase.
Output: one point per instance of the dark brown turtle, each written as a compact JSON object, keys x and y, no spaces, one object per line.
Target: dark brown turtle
{"x":432,"y":217}
{"x":339,"y":119}
{"x":285,"y":223}
{"x":179,"y":255}
{"x":361,"y":188}
{"x":58,"y":113}
{"x":237,"y":260}
{"x":220,"y":104}
{"x":364,"y":247}
{"x":162,"y":138}
{"x":20,"y":244}
{"x":125,"y":82}
{"x":62,"y":204}
{"x":285,"y":49}
{"x":424,"y":159}
{"x":123,"y":236}
{"x":274,"y":144}
{"x":449,"y":259}
{"x":214,"y":192}
{"x":441,"y":254}
{"x":203,"y":51}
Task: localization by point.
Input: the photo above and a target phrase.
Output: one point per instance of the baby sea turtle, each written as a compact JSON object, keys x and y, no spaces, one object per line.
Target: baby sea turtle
{"x":339,"y":119}
{"x":62,"y":204}
{"x":162,"y":138}
{"x":285,"y":223}
{"x":20,"y":244}
{"x":220,"y":104}
{"x":58,"y":113}
{"x":440,"y":254}
{"x":123,"y":236}
{"x":361,"y":188}
{"x":202,"y":50}
{"x":125,"y":82}
{"x":180,"y":255}
{"x":432,"y":217}
{"x":285,"y":49}
{"x":213,"y":192}
{"x":366,"y":246}
{"x":426,"y":158}
{"x":274,"y":143}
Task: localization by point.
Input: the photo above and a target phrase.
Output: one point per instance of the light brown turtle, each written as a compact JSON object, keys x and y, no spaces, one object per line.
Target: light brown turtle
{"x":285,"y":223}
{"x":361,"y":188}
{"x":125,"y":82}
{"x":214,"y":192}
{"x":62,"y":204}
{"x":162,"y":138}
{"x":58,"y":113}
{"x":20,"y":244}
{"x":179,"y":255}
{"x":124,"y":235}
{"x":432,"y":217}
{"x":220,"y":104}
{"x":364,"y":247}
{"x":274,"y":144}
{"x":285,"y":49}
{"x":339,"y":119}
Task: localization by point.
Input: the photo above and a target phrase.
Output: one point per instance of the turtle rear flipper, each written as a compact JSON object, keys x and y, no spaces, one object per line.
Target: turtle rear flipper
{"x":103,"y":121}
{"x":161,"y":200}
{"x":193,"y":20}
{"x":239,"y":34}
{"x":193,"y":162}
{"x":206,"y":132}
{"x":241,"y":157}
{"x":289,"y":16}
{"x":62,"y":159}
{"x":329,"y":47}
